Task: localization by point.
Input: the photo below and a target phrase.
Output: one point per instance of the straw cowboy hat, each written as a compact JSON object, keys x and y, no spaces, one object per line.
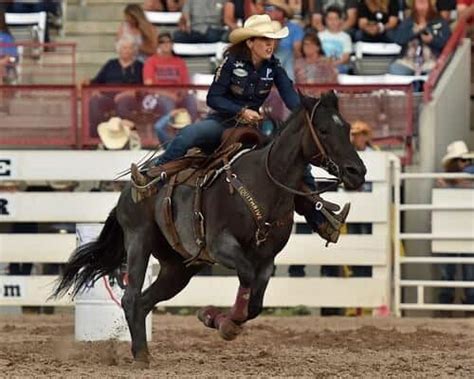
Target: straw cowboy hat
{"x":181,"y":119}
{"x":258,"y":26}
{"x":359,"y":127}
{"x":456,"y":150}
{"x":280,"y":4}
{"x":115,"y":133}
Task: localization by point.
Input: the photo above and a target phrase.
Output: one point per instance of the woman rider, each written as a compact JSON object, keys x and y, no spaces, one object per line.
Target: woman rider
{"x":241,"y":84}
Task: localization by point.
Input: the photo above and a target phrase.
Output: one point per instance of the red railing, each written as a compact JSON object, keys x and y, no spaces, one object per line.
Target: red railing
{"x":448,"y":51}
{"x":387,"y":108}
{"x":41,"y":63}
{"x":38,"y":115}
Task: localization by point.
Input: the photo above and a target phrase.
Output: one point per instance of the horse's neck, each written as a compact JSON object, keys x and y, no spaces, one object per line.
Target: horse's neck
{"x":286,"y":161}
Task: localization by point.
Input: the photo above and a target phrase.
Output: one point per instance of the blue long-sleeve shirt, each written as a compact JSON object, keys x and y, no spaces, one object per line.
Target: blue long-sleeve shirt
{"x":237,"y":85}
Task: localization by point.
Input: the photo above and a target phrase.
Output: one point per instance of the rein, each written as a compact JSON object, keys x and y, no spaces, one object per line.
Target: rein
{"x":326,"y":162}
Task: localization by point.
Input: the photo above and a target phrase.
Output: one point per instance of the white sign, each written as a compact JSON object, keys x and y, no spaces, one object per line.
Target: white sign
{"x":7,"y":168}
{"x":7,"y":206}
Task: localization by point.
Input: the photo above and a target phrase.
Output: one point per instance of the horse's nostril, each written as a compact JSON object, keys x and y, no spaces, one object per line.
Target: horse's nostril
{"x":353,"y":170}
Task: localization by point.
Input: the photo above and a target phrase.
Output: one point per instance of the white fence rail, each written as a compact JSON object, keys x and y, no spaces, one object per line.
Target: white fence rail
{"x":85,"y":207}
{"x":452,"y":234}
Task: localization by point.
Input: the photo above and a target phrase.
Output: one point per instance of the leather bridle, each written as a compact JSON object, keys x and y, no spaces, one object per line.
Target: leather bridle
{"x":320,"y":159}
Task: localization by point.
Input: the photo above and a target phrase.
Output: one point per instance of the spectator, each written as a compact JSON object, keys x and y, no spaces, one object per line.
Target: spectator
{"x":336,"y":43}
{"x":169,"y":125}
{"x":313,"y":67}
{"x":376,"y":18}
{"x":349,"y":8}
{"x":163,"y":5}
{"x":422,"y":36}
{"x":444,"y":7}
{"x":235,"y":12}
{"x":125,"y":69}
{"x":457,"y":159}
{"x":8,"y":53}
{"x":361,"y":136}
{"x":465,"y":9}
{"x":137,"y":26}
{"x":201,"y":22}
{"x":164,"y":68}
{"x":289,"y":47}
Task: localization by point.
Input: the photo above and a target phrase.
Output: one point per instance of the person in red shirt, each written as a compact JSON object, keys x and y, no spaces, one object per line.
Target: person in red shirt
{"x":165,"y":68}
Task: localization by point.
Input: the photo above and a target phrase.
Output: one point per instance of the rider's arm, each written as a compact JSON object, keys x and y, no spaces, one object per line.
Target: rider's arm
{"x":217,"y":97}
{"x":285,"y":88}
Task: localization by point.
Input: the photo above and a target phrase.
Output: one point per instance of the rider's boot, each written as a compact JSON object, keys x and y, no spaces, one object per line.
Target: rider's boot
{"x":322,"y":217}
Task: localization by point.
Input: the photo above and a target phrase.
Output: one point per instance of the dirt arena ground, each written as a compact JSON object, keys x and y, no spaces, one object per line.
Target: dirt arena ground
{"x":43,"y":346}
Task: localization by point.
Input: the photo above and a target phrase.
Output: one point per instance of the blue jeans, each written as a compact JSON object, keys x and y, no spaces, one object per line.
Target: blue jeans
{"x":205,"y":134}
{"x":211,"y":35}
{"x":396,"y":68}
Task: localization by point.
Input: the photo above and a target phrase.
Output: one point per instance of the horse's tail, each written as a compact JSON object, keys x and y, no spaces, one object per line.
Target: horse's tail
{"x":93,"y":260}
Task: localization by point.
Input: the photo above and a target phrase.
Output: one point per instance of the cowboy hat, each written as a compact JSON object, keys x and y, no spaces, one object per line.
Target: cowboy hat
{"x":456,"y":150}
{"x":258,"y":26}
{"x":181,"y":119}
{"x":280,"y":4}
{"x":114,"y":133}
{"x":359,"y":127}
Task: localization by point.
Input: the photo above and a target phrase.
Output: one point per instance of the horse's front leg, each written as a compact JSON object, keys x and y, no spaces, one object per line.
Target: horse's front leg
{"x":230,"y":254}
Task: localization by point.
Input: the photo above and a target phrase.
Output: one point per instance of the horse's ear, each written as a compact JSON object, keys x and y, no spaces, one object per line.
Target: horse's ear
{"x":307,"y":101}
{"x":330,"y":100}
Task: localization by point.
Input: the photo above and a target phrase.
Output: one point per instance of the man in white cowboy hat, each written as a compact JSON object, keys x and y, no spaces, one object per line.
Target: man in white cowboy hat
{"x":116,"y":133}
{"x":241,"y":85}
{"x":458,"y":158}
{"x":169,"y":125}
{"x":290,"y":46}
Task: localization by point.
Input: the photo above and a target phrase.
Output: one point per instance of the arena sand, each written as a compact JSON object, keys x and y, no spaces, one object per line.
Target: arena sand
{"x":43,"y":346}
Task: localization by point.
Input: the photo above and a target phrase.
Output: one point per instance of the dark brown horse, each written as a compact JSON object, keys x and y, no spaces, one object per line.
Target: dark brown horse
{"x":316,"y":133}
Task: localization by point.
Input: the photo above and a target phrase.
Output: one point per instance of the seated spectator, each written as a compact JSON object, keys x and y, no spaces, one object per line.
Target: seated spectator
{"x":465,"y":9}
{"x":444,"y":8}
{"x":125,"y":69}
{"x":289,"y":47}
{"x":165,"y":68}
{"x":337,"y":44}
{"x":201,"y":22}
{"x":361,"y":136}
{"x":235,"y":12}
{"x":422,"y":37}
{"x":170,"y":124}
{"x":138,"y":27}
{"x":163,"y":5}
{"x":313,"y":67}
{"x":349,"y":7}
{"x":376,"y":18}
{"x":8,"y":53}
{"x":457,"y":159}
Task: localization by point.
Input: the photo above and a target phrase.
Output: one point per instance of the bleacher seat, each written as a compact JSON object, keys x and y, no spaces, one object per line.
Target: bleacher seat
{"x":374,"y":58}
{"x":163,"y":18}
{"x":21,"y":24}
{"x":198,"y":49}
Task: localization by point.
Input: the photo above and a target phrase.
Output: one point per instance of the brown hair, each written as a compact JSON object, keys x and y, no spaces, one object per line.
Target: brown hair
{"x":3,"y":23}
{"x":147,"y":30}
{"x":431,"y":15}
{"x":240,"y":50}
{"x":377,"y":5}
{"x":313,"y":37}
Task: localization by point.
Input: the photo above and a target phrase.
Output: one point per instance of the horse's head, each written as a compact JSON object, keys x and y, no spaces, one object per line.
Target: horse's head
{"x":330,"y":146}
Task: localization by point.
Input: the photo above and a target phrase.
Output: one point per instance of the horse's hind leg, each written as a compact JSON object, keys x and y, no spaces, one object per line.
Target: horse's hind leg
{"x":172,"y":278}
{"x":139,"y":245}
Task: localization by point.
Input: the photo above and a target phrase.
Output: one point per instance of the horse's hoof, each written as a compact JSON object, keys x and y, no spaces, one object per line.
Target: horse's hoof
{"x":228,"y":329}
{"x":207,"y":315}
{"x":141,"y":365}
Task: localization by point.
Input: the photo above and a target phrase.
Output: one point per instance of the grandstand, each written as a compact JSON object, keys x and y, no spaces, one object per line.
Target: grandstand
{"x":45,"y":119}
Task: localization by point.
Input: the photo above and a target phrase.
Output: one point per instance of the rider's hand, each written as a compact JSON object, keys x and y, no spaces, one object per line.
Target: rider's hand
{"x":251,"y":116}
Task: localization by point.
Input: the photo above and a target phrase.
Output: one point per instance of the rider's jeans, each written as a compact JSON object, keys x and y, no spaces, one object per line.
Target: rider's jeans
{"x":205,"y":134}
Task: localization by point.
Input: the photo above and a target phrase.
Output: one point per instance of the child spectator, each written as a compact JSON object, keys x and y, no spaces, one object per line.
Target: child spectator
{"x":376,"y":18}
{"x":163,"y":5}
{"x":137,"y":26}
{"x":336,"y":44}
{"x":125,"y":69}
{"x":201,"y":22}
{"x":422,"y":37}
{"x":313,"y":67}
{"x":165,"y":68}
{"x":289,"y":47}
{"x":349,"y":8}
{"x":8,"y":53}
{"x":169,"y":125}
